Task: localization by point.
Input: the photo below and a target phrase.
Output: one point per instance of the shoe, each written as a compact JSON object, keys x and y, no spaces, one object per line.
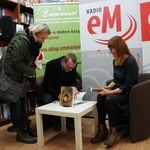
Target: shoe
{"x":56,"y":126}
{"x":25,"y":138}
{"x":112,"y":137}
{"x":23,"y":135}
{"x":101,"y":134}
{"x":11,"y":129}
{"x":30,"y":131}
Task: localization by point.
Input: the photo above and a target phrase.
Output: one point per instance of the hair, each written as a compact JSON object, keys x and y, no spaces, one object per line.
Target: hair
{"x":39,"y":28}
{"x":71,"y":56}
{"x":121,"y":48}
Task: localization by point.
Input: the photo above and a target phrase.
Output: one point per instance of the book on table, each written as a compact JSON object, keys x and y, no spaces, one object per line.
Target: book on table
{"x":67,"y":95}
{"x":68,"y":98}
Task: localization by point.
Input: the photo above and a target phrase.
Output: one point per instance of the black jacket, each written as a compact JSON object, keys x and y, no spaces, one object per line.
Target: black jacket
{"x":55,"y":77}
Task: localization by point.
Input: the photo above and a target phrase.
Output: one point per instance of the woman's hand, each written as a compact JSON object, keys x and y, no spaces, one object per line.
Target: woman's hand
{"x":110,"y":92}
{"x":106,"y":87}
{"x":105,"y":91}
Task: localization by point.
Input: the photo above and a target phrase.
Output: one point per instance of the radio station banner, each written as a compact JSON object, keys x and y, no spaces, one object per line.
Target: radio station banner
{"x":99,"y":21}
{"x":145,"y":30}
{"x":63,"y":20}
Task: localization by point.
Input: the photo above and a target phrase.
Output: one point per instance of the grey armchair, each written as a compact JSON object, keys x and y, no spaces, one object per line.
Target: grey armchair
{"x":139,"y":109}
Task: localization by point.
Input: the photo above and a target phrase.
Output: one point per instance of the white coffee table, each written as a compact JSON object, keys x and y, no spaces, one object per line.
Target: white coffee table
{"x":76,"y":112}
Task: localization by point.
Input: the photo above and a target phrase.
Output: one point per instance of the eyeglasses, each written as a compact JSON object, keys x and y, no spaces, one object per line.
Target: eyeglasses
{"x":68,"y":67}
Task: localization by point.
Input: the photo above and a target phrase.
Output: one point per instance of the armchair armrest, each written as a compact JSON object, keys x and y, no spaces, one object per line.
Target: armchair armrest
{"x":139,"y":108}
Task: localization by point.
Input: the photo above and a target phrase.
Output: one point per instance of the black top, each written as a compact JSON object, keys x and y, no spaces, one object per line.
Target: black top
{"x":55,"y":77}
{"x":126,"y":76}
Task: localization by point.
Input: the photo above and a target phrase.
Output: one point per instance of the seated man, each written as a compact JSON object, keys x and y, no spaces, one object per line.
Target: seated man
{"x":59,"y":72}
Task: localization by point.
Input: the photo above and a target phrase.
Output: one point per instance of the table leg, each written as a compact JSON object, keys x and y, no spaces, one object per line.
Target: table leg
{"x":63,"y":124}
{"x":78,"y":133}
{"x":40,"y":134}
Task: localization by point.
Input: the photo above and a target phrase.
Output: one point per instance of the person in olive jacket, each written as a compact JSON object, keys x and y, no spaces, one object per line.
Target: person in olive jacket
{"x":22,"y":51}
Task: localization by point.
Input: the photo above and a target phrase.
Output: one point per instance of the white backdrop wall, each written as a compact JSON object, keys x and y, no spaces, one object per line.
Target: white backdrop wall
{"x":99,"y":21}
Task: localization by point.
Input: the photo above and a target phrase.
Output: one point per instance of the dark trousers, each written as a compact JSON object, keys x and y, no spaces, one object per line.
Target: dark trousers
{"x":109,"y":105}
{"x":18,"y":112}
{"x":48,"y":119}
